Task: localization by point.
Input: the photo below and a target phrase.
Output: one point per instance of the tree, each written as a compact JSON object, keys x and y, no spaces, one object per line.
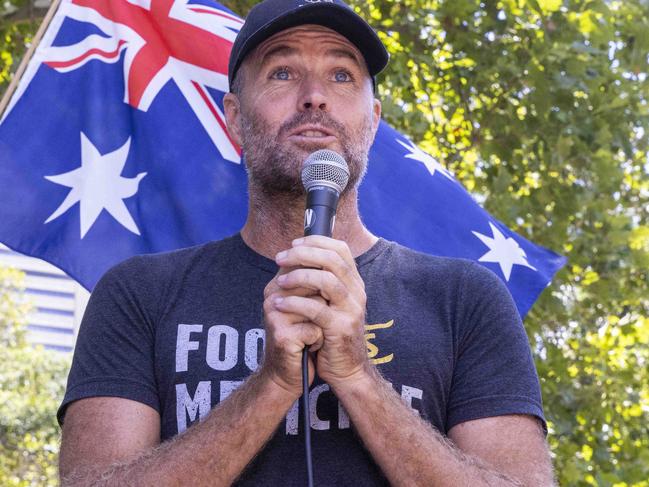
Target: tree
{"x":18,"y":23}
{"x":540,"y":109}
{"x":32,"y":383}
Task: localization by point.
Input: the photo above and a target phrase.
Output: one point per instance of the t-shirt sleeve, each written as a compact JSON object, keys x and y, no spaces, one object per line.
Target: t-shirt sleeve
{"x":114,"y":349}
{"x":494,"y":373}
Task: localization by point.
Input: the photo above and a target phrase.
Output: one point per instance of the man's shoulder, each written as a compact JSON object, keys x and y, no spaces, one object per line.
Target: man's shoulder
{"x":441,"y":275}
{"x":162,"y":266}
{"x":438,"y":265}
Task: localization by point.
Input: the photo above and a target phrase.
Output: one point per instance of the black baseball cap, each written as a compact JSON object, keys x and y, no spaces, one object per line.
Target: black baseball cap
{"x":272,"y":16}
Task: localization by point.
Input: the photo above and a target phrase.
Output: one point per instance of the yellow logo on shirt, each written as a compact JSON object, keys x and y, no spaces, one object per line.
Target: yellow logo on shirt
{"x":372,"y":349}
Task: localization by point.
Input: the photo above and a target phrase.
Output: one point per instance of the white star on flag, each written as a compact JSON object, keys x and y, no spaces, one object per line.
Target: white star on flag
{"x":426,"y":159}
{"x":503,"y":251}
{"x":98,"y":185}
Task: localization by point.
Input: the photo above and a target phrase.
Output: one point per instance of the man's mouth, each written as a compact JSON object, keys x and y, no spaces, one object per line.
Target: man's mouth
{"x":317,"y":132}
{"x":312,"y":133}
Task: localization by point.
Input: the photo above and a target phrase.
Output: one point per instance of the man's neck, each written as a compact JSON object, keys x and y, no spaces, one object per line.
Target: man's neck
{"x":274,"y":221}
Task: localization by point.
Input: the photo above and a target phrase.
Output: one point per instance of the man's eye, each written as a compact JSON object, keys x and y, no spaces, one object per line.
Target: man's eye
{"x":282,"y":74}
{"x":343,"y":76}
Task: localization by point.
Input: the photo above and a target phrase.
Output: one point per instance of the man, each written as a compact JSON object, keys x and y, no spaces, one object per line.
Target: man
{"x":448,"y":394}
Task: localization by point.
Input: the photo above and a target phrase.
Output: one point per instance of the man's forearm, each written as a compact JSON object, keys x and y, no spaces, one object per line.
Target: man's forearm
{"x":408,"y":449}
{"x":213,"y":452}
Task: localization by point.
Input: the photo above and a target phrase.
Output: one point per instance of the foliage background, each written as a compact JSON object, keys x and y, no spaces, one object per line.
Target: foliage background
{"x":31,"y":387}
{"x":540,"y":109}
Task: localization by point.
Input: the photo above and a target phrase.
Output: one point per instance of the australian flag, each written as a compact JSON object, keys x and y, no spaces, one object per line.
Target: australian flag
{"x":115,"y":144}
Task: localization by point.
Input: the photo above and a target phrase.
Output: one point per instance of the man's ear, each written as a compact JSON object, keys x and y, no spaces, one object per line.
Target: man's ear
{"x":232,"y":109}
{"x":376,"y":115}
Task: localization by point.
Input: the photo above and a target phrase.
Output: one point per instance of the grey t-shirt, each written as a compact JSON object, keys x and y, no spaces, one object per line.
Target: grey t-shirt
{"x":180,"y":331}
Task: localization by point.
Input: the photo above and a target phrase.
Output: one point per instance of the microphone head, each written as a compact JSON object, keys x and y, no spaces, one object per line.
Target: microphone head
{"x":325,"y":167}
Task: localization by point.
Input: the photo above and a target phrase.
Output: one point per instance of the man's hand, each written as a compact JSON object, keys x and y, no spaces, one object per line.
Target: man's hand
{"x":326,"y":267}
{"x":286,"y":336}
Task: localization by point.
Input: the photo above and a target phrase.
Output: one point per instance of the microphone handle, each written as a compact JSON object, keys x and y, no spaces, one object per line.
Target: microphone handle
{"x":320,"y":213}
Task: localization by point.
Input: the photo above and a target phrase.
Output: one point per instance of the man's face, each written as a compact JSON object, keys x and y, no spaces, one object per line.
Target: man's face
{"x":304,"y":89}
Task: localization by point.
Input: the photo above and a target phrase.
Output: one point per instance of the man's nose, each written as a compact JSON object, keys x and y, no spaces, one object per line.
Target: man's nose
{"x":312,"y":94}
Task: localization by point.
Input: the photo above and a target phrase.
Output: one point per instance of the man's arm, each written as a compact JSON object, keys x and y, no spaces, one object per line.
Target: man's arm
{"x":503,"y":451}
{"x":514,"y":444}
{"x":114,"y":441}
{"x":497,"y":451}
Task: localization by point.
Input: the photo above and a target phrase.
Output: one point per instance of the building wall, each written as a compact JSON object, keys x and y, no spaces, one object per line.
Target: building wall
{"x":58,"y":302}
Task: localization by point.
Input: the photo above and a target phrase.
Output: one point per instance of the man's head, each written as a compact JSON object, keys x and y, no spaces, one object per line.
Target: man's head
{"x":301,"y":76}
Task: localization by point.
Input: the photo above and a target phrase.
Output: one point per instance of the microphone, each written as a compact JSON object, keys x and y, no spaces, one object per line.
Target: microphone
{"x":324,"y":175}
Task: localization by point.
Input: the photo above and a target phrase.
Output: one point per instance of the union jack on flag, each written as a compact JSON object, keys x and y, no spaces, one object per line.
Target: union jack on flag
{"x":180,"y":41}
{"x":115,"y":144}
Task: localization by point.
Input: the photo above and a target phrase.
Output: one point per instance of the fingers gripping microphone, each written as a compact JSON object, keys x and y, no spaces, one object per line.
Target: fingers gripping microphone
{"x":324,"y":175}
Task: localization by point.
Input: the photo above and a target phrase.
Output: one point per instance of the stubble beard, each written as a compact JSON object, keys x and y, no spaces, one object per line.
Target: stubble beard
{"x":275,"y":167}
